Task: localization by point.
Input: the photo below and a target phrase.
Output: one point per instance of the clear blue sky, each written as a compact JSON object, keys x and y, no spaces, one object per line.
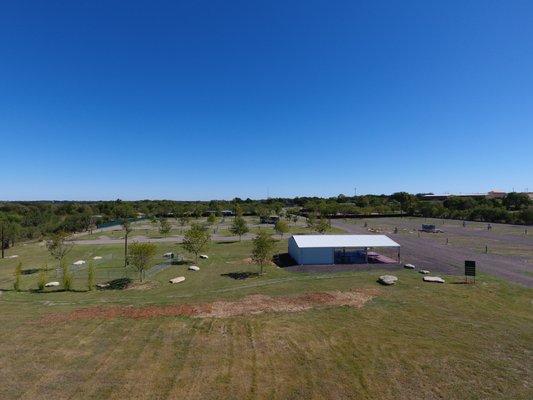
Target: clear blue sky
{"x":218,"y":99}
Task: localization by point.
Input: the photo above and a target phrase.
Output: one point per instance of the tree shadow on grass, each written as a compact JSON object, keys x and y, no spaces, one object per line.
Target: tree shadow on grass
{"x":30,"y":271}
{"x":115,"y":284}
{"x":37,"y":291}
{"x":180,"y":262}
{"x":241,"y":275}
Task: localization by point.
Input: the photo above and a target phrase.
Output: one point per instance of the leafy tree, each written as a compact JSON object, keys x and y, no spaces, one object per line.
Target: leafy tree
{"x":281,"y":227}
{"x":237,"y":210}
{"x":91,"y":276}
{"x":196,"y":240}
{"x":140,"y":255}
{"x":239,"y":227}
{"x":311,"y":220}
{"x":406,"y":200}
{"x":262,"y":211}
{"x":516,"y":201}
{"x":164,"y":226}
{"x":212,"y":219}
{"x":322,"y":225}
{"x":527,"y":216}
{"x":184,"y":220}
{"x":18,"y":274}
{"x":58,"y":247}
{"x":263,"y":247}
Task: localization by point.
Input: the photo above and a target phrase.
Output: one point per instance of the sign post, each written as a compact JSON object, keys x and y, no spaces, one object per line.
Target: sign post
{"x":470,"y":271}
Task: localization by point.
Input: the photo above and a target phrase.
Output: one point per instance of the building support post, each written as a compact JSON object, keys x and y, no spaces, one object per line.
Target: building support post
{"x":399,"y":256}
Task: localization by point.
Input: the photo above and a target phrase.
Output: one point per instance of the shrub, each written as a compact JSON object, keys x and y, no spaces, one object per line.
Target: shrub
{"x":42,"y":278}
{"x":18,"y":273}
{"x":90,"y":277}
{"x":67,"y":277}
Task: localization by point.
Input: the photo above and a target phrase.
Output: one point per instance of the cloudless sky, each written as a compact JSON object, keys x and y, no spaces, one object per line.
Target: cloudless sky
{"x":218,"y":99}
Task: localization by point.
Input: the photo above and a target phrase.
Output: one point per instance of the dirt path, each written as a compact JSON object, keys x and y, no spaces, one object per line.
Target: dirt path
{"x":249,"y":305}
{"x":438,"y":257}
{"x":168,"y":239}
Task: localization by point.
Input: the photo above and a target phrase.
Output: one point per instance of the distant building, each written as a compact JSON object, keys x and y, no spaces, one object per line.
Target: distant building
{"x":269,"y":220}
{"x":496,"y":194}
{"x":493,"y":194}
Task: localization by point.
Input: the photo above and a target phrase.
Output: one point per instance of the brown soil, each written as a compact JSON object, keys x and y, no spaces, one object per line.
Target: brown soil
{"x":253,"y":304}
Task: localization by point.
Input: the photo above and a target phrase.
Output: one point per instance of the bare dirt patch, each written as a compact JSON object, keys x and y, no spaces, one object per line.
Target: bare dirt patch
{"x":249,"y":305}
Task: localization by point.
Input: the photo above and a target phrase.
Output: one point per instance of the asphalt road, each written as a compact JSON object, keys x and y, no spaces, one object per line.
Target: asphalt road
{"x":437,"y":257}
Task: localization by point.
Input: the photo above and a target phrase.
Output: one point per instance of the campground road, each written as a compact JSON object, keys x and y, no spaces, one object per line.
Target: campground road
{"x":167,"y":239}
{"x":445,"y":259}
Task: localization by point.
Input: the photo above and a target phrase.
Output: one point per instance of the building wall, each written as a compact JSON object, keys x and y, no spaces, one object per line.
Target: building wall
{"x":294,"y":251}
{"x":311,"y":256}
{"x":319,"y":255}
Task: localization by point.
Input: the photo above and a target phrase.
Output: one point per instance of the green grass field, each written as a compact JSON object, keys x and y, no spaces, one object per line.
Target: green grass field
{"x":411,"y":341}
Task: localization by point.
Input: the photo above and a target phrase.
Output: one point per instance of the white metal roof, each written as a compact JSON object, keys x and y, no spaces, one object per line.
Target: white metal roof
{"x":306,"y":241}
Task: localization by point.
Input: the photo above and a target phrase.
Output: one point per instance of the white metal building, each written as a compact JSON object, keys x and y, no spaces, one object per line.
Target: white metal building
{"x":337,"y":249}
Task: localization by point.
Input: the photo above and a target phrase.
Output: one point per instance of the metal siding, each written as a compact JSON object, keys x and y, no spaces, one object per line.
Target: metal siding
{"x":323,"y":255}
{"x":294,"y":251}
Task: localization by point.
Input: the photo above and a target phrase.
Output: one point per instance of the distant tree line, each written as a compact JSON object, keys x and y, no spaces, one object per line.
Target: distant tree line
{"x":41,"y":219}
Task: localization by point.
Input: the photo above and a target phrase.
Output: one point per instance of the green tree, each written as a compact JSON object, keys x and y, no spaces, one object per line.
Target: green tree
{"x":91,"y":276}
{"x":58,"y":247}
{"x":184,"y":220}
{"x":263,"y":247}
{"x":237,"y":209}
{"x":196,"y":240}
{"x":262,"y":211}
{"x":281,"y":227}
{"x":164,"y":226}
{"x":140,"y":255}
{"x":322,"y":225}
{"x":516,"y":201}
{"x":18,"y":275}
{"x":311,"y":220}
{"x":239,"y":227}
{"x":212,"y":219}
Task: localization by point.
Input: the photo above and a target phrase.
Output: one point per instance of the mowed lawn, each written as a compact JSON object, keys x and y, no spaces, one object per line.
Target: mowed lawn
{"x":411,"y":341}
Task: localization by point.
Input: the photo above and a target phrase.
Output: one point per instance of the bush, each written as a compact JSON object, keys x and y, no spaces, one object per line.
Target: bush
{"x":42,"y":278}
{"x":90,"y":277}
{"x":18,"y":273}
{"x":67,"y":277}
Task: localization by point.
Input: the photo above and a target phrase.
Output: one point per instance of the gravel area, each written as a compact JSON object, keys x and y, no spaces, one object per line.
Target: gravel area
{"x":439,"y":258}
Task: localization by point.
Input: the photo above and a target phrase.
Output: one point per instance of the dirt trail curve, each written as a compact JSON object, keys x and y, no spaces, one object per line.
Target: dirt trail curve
{"x":450,"y":260}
